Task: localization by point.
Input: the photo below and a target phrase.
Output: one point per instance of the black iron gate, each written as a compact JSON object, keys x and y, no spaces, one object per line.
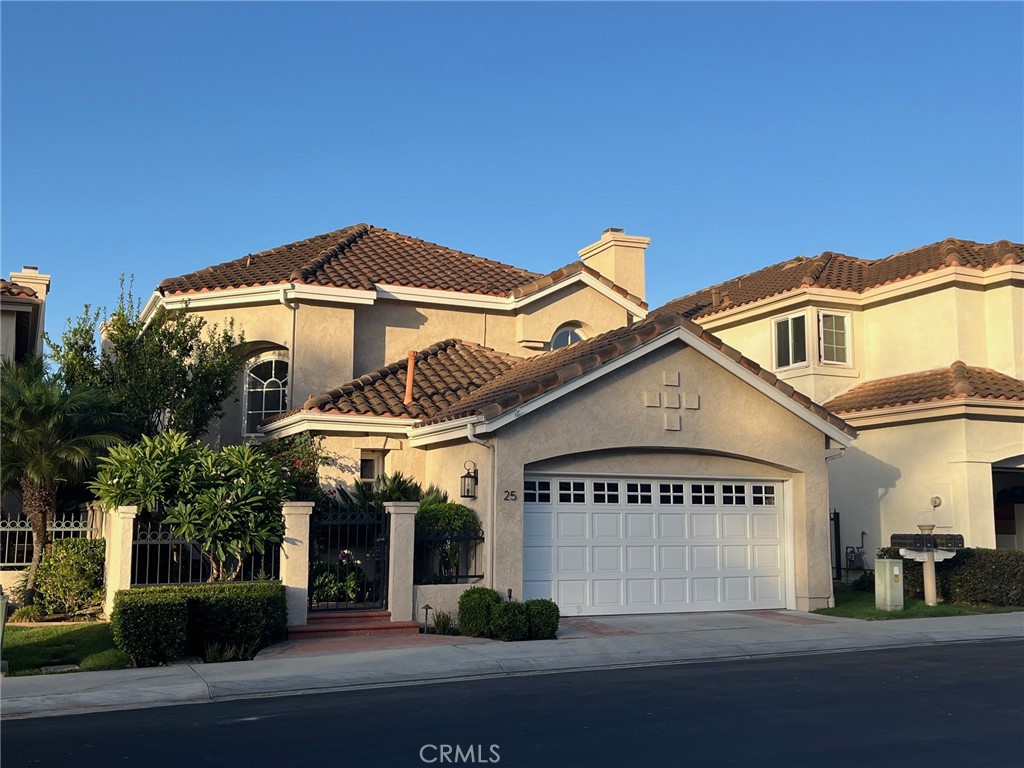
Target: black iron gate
{"x":348,"y":558}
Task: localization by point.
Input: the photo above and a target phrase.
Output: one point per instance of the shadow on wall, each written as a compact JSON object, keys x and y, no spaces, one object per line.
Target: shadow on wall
{"x":857,"y":484}
{"x":370,"y":335}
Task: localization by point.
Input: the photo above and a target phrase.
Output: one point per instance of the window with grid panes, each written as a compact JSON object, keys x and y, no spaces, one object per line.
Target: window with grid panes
{"x":639,"y":493}
{"x":606,"y":493}
{"x":671,"y":493}
{"x":537,"y":491}
{"x":571,"y":492}
{"x":702,"y":493}
{"x":762,"y":495}
{"x":734,"y":495}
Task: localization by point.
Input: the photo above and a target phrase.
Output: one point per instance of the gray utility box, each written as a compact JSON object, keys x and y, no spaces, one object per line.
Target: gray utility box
{"x":889,"y":585}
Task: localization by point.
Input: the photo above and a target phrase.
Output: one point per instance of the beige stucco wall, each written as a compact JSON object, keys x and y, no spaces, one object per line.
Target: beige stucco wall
{"x":601,"y":425}
{"x":886,"y":480}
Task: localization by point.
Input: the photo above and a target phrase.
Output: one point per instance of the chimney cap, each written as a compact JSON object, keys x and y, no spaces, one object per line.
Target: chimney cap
{"x":617,"y":230}
{"x":30,"y":268}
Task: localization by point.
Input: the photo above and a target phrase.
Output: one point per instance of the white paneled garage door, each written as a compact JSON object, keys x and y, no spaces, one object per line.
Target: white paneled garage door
{"x":609,"y":545}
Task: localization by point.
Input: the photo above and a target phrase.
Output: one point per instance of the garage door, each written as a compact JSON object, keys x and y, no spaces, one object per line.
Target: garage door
{"x":610,"y":545}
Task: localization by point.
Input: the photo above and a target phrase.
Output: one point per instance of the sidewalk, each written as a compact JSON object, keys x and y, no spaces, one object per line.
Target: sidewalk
{"x":310,"y":666}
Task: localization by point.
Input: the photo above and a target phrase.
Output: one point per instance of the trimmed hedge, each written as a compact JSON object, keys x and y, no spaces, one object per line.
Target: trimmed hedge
{"x":243,"y":617}
{"x":70,"y":576}
{"x":475,"y":607}
{"x":149,"y":626}
{"x":509,"y":622}
{"x":543,"y":619}
{"x":974,"y":576}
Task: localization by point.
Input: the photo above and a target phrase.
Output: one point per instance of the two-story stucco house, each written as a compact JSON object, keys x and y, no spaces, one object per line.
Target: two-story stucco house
{"x":22,"y":313}
{"x":617,"y":462}
{"x":923,"y":353}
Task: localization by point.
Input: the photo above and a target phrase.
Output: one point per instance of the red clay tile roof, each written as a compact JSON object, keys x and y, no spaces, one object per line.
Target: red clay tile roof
{"x":846,"y":273}
{"x":358,"y":257}
{"x":443,"y":374}
{"x":576,"y":267}
{"x":957,"y":382}
{"x":11,"y":290}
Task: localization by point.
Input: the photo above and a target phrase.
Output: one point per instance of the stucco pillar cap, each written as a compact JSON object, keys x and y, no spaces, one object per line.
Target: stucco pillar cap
{"x":127,"y":511}
{"x":297,"y":507}
{"x":402,"y":507}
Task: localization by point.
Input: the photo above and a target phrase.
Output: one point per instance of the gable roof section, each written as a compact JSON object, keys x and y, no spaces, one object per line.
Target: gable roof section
{"x":845,"y":273}
{"x":9,"y":290}
{"x":571,"y":270}
{"x":443,"y":374}
{"x":537,"y":376}
{"x":957,"y":382}
{"x":357,"y":257}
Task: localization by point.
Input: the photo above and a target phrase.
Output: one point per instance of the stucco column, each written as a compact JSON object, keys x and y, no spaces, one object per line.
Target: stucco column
{"x":401,"y":546}
{"x":295,"y":559}
{"x":119,"y":528}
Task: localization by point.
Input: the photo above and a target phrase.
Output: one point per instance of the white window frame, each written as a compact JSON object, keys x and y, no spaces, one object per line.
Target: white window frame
{"x":567,"y":328}
{"x":377,"y":457}
{"x":788,"y":320}
{"x":848,"y":363}
{"x":249,"y":365}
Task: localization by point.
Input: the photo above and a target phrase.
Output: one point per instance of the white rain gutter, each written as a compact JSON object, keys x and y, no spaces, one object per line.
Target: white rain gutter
{"x":291,"y":347}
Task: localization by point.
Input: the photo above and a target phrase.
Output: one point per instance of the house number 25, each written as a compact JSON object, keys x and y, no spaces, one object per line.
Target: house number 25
{"x":510,"y":496}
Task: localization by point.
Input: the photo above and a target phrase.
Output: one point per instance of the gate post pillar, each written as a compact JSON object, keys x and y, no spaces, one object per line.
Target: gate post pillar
{"x":401,"y":545}
{"x":295,"y":559}
{"x":119,"y":530}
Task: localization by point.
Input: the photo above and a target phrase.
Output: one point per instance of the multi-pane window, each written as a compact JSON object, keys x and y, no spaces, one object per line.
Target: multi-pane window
{"x":566,"y":335}
{"x":639,"y":493}
{"x":834,"y":339}
{"x":702,"y":493}
{"x":571,"y":492}
{"x":734,"y":495}
{"x":537,"y":491}
{"x":671,"y":493}
{"x":762,"y":495}
{"x":790,"y":341}
{"x":606,"y":493}
{"x":266,"y":392}
{"x":370,"y":467}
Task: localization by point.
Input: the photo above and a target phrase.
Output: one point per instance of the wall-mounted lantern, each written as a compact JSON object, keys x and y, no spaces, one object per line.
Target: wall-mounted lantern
{"x":469,"y":481}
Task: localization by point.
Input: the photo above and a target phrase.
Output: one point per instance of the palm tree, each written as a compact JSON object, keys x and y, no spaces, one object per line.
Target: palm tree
{"x":51,"y":434}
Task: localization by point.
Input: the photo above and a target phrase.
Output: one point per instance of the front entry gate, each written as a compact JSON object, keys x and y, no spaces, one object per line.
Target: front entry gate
{"x":348,"y":558}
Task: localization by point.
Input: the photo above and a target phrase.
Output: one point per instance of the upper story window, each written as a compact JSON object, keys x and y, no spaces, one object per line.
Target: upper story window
{"x":790,"y":341}
{"x":566,"y":335}
{"x":834,"y":338}
{"x":266,"y":391}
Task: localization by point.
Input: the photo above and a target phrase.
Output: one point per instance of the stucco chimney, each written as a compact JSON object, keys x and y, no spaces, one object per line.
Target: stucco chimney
{"x":30,"y":277}
{"x":620,"y":258}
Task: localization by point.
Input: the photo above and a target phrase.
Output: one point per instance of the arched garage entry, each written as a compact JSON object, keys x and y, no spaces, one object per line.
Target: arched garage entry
{"x":616,"y":532}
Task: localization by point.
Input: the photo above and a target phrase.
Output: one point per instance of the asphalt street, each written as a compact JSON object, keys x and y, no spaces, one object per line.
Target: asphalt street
{"x":957,"y":704}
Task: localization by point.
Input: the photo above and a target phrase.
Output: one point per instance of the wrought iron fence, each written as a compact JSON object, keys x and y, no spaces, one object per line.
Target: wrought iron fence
{"x":160,"y":557}
{"x":348,"y":558}
{"x":16,"y":535}
{"x":440,"y":560}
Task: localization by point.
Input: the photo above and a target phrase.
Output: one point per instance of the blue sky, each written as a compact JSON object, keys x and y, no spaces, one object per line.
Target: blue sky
{"x":158,"y":138}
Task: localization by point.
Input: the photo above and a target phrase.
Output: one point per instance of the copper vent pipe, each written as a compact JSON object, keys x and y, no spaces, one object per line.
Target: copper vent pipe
{"x":409,"y":375}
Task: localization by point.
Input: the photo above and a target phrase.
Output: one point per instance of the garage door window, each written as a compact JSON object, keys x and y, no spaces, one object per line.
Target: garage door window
{"x":571,"y":492}
{"x":672,"y":493}
{"x":639,"y":493}
{"x":763,"y":495}
{"x":702,"y":493}
{"x":537,"y":491}
{"x":606,"y":493}
{"x":734,"y":495}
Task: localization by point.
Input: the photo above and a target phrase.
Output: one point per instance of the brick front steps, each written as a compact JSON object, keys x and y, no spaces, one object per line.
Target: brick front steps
{"x":351,"y":624}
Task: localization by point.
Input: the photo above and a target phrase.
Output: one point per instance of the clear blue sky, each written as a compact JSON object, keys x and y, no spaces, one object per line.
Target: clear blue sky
{"x":159,"y":138}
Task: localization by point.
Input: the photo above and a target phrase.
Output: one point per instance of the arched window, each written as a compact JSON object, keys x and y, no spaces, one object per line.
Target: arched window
{"x":266,"y":391}
{"x":566,"y":335}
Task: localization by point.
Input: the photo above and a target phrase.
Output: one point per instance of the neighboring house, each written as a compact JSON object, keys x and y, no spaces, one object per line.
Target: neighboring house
{"x":923,"y":353}
{"x":621,"y":460}
{"x":22,"y":313}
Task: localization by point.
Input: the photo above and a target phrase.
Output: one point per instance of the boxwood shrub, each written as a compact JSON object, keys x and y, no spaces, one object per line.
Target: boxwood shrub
{"x":70,"y":576}
{"x":243,"y":617}
{"x":543,"y":619}
{"x":149,"y":625}
{"x":974,"y":576}
{"x":509,"y":621}
{"x":475,"y":607}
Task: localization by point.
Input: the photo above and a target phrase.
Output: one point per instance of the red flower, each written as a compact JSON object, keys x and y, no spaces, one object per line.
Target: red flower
{"x":298,"y":463}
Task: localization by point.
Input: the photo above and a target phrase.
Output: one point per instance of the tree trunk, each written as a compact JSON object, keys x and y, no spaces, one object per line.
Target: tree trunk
{"x":39,"y":502}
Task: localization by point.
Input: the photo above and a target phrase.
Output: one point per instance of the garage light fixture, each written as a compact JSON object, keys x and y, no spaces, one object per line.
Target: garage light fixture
{"x":469,"y":481}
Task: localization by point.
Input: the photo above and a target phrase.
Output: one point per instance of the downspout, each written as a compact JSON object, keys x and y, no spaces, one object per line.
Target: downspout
{"x":291,"y":347}
{"x":491,"y":498}
{"x":831,"y":599}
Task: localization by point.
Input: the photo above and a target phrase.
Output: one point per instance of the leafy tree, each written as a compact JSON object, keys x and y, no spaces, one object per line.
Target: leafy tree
{"x":227,"y":501}
{"x":52,"y":433}
{"x":172,"y":372}
{"x":300,"y":458}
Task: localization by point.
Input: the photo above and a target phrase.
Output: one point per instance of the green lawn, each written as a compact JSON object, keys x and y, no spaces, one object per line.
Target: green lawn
{"x":90,"y":645}
{"x":861,"y":605}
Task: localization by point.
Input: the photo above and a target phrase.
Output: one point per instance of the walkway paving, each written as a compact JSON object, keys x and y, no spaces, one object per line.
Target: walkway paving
{"x":312,"y":666}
